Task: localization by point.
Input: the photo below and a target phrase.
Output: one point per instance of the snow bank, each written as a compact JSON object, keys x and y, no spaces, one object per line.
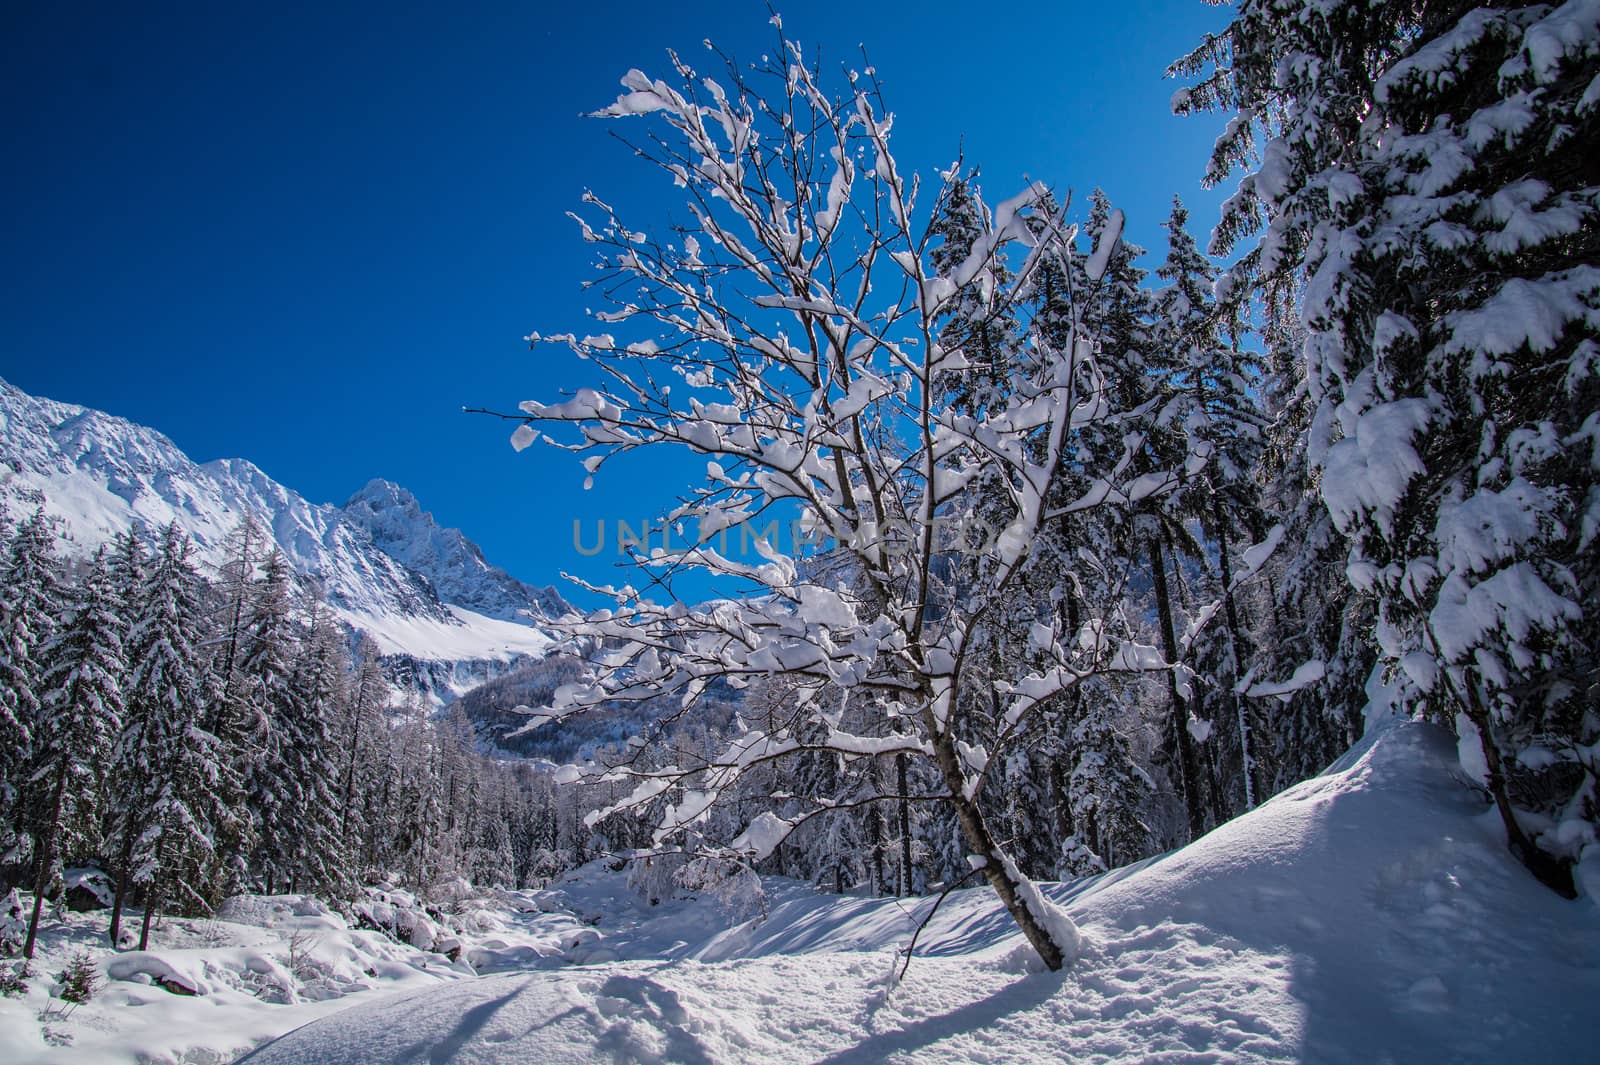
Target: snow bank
{"x":1369,"y":914}
{"x":1383,"y":891}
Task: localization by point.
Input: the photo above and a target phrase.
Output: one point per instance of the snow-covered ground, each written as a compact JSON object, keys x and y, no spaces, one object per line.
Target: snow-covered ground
{"x":1368,"y":915}
{"x":265,"y":966}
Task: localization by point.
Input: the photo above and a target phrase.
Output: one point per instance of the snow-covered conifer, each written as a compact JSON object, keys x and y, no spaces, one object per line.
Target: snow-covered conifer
{"x":175,"y":775}
{"x":30,"y":603}
{"x":79,"y":716}
{"x":315,"y":847}
{"x":1426,"y":166}
{"x":1215,"y":380}
{"x":269,"y":721}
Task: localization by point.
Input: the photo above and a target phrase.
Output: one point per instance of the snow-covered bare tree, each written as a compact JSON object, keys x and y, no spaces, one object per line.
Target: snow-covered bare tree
{"x":788,"y":329}
{"x":358,"y":736}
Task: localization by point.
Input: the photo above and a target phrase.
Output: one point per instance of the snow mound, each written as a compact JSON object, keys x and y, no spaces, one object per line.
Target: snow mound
{"x":1370,"y":914}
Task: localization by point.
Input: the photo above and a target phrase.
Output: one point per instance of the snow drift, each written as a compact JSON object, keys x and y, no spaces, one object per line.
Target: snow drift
{"x":1370,"y":914}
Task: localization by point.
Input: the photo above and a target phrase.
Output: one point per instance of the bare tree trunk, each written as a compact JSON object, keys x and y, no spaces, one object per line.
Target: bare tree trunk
{"x":997,"y":867}
{"x":875,"y":835}
{"x":906,"y":887}
{"x":1552,"y":872}
{"x":1188,"y":764}
{"x":1061,"y":822}
{"x":1235,"y":641}
{"x":1206,"y":751}
{"x":47,"y":859}
{"x":1066,"y":824}
{"x":122,"y":890}
{"x":151,"y":904}
{"x":152,"y":901}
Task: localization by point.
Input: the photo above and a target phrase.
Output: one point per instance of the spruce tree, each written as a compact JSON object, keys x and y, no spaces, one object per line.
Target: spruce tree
{"x":176,"y":774}
{"x":316,"y":849}
{"x":1150,"y":452}
{"x":80,"y":714}
{"x":30,"y":602}
{"x":127,"y":781}
{"x":269,"y":725}
{"x":1428,"y":167}
{"x":1214,"y":382}
{"x":979,"y":323}
{"x":1311,"y":614}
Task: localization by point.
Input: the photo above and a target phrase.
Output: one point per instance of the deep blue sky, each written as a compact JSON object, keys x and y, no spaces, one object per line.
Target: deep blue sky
{"x":308,"y":234}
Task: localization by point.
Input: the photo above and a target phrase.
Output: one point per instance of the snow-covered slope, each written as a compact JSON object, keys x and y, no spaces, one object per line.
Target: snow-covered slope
{"x":423,"y":591}
{"x":1368,"y":915}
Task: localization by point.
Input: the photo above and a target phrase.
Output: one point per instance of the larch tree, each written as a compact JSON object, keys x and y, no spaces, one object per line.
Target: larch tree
{"x":358,"y":734}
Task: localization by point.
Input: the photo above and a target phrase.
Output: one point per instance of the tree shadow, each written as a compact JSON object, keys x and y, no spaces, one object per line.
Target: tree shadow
{"x":1017,"y":997}
{"x":472,"y":1022}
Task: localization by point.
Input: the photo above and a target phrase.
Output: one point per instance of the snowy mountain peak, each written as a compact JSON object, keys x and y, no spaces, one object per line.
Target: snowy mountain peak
{"x":382,"y":562}
{"x":382,"y":495}
{"x":454,"y":564}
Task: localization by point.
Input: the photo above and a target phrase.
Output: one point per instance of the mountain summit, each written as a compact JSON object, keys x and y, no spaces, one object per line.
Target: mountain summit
{"x":453,"y":564}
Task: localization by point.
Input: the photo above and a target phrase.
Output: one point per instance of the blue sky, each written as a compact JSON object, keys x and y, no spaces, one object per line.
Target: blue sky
{"x":307,"y":235}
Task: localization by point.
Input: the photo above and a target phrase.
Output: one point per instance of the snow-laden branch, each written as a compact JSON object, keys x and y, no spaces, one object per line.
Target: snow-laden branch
{"x":792,"y":330}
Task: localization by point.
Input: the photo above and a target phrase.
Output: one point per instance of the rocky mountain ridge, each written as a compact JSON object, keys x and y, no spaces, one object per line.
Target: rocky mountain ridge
{"x":424,"y":592}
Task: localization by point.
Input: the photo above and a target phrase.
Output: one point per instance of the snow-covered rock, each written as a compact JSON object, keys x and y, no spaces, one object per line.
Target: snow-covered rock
{"x":208,"y":990}
{"x":88,"y":889}
{"x":403,"y":917}
{"x":13,"y":923}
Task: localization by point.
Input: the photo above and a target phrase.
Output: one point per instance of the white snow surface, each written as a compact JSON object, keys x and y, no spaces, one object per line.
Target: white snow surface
{"x":1370,"y":914}
{"x":384,"y":563}
{"x":266,"y":965}
{"x":463,"y":635}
